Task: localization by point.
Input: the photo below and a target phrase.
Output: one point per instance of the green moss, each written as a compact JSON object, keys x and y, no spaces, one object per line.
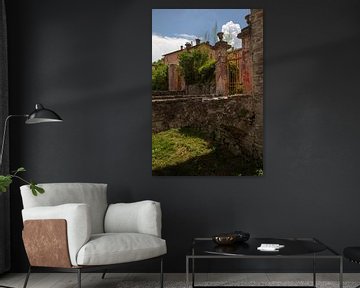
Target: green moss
{"x":172,"y":147}
{"x":190,"y":152}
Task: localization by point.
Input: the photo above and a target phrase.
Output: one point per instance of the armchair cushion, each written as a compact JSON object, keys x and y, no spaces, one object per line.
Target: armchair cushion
{"x":113,"y":248}
{"x":138,"y":217}
{"x":92,"y":194}
{"x":78,"y":221}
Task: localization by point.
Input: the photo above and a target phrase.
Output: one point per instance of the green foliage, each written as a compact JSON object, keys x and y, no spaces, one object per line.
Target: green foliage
{"x":186,"y":62}
{"x":21,"y":169}
{"x":6,"y":180}
{"x":207,"y":71}
{"x":159,"y":76}
{"x":196,"y":67}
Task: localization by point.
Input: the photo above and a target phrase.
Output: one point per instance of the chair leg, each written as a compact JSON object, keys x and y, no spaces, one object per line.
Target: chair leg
{"x":27,"y":277}
{"x":103,"y":275}
{"x":161,"y":273}
{"x":79,"y":277}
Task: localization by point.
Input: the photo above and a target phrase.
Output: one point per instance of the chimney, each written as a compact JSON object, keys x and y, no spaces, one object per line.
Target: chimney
{"x":247,"y":18}
{"x":220,"y":35}
{"x":197,"y":41}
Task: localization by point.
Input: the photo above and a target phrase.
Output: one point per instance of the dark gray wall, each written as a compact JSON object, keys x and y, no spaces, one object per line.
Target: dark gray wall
{"x":90,"y":61}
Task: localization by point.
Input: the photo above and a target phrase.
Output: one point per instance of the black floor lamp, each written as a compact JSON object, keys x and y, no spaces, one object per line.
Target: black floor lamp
{"x":39,"y":115}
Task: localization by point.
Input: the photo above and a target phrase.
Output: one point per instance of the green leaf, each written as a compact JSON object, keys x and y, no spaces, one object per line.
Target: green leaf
{"x":5,"y":182}
{"x":33,"y":188}
{"x":20,"y":169}
{"x":36,"y":189}
{"x":39,"y":189}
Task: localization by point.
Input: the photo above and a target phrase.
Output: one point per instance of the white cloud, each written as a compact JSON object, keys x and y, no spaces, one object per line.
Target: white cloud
{"x":231,"y":30}
{"x":165,"y":44}
{"x":186,"y":36}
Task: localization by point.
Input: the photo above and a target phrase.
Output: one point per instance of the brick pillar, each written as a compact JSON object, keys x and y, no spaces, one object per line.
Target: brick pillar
{"x":221,"y":70}
{"x":256,"y":46}
{"x":246,"y":59}
{"x":172,"y":77}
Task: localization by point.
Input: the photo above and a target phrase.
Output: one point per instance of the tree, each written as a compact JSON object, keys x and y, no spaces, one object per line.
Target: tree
{"x":207,"y":71}
{"x":196,"y":67}
{"x":159,"y":76}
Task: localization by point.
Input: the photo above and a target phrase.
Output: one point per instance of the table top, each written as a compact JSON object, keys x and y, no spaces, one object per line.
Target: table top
{"x":292,"y":247}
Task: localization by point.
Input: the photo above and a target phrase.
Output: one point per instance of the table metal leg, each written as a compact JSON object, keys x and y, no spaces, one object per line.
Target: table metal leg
{"x":193,"y":268}
{"x":341,"y":273}
{"x":187,"y":272}
{"x":193,"y":272}
{"x":314,"y":271}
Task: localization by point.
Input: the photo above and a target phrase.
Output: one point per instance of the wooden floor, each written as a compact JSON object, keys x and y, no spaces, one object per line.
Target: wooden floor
{"x":114,"y":280}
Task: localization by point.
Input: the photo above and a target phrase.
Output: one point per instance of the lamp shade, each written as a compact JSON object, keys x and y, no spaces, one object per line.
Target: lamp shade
{"x":42,"y":115}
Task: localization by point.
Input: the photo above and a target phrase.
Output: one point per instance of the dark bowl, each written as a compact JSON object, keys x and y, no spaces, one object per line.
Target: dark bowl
{"x":241,"y":236}
{"x":225,"y":239}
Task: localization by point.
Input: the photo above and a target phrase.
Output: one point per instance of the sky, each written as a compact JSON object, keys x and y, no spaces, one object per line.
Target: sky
{"x":172,"y":28}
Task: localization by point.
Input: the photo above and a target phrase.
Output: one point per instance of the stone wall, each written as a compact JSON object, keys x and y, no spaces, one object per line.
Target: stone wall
{"x":228,"y":120}
{"x":257,"y":51}
{"x":202,"y":89}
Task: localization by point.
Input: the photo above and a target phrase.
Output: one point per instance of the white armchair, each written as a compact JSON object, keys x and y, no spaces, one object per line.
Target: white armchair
{"x":72,"y":228}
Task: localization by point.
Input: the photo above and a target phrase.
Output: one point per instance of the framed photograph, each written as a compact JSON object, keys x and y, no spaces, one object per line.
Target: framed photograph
{"x":207,"y":92}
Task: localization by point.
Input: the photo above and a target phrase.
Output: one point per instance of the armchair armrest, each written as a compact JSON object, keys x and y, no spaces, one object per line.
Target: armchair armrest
{"x":77,"y":217}
{"x":138,"y":217}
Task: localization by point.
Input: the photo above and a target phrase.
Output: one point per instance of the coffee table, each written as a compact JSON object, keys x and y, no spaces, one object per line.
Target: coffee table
{"x":294,"y":248}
